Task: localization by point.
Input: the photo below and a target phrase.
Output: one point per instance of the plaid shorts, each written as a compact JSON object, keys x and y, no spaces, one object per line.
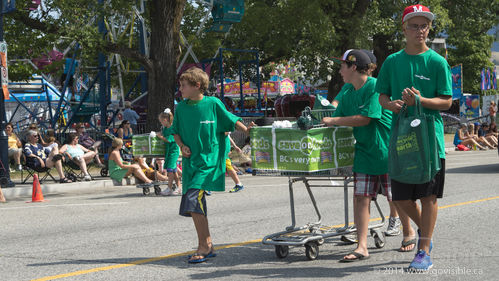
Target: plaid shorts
{"x":371,"y":185}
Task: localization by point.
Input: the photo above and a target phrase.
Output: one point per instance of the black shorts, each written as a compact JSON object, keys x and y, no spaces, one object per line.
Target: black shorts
{"x":193,"y":201}
{"x":407,"y":191}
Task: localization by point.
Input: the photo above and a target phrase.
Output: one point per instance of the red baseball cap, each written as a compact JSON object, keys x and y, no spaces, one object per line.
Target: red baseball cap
{"x":417,"y":11}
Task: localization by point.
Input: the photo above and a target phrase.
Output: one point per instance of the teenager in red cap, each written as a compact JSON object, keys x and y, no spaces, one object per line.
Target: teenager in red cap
{"x":418,"y":70}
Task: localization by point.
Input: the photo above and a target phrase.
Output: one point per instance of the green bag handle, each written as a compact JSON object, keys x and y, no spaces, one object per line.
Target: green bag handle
{"x":418,"y":108}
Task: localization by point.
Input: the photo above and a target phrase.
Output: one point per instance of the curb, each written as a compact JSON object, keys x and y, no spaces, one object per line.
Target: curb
{"x":25,"y":190}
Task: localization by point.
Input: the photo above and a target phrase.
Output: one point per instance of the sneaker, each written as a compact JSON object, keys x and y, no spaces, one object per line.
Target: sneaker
{"x":236,"y":188}
{"x":87,"y":178}
{"x":19,"y":167}
{"x":239,"y":173}
{"x":167,"y":192}
{"x":349,"y":238}
{"x":208,"y":193}
{"x":421,"y":262}
{"x":393,"y":228}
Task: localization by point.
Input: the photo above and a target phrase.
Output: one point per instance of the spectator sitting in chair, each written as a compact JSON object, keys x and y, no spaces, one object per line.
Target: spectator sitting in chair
{"x":79,"y":154}
{"x":38,"y":156}
{"x":15,"y":145}
{"x":88,"y":142}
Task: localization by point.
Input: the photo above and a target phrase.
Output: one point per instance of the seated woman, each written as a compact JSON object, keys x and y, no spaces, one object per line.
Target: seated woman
{"x":118,"y":169}
{"x":479,"y":138}
{"x":483,"y":134}
{"x":38,"y":156}
{"x":79,"y":154}
{"x":462,"y":137}
{"x":15,"y":145}
{"x":88,"y":142}
{"x":125,"y":132}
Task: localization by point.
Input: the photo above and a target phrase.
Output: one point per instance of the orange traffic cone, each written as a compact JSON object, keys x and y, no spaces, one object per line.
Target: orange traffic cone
{"x":37,"y":195}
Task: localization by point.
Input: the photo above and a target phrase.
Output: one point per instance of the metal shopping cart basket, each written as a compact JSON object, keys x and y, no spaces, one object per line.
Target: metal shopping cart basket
{"x":330,"y":158}
{"x":149,"y":147}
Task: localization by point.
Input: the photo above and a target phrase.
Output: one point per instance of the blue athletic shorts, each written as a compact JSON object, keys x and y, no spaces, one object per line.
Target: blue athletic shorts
{"x":193,"y":201}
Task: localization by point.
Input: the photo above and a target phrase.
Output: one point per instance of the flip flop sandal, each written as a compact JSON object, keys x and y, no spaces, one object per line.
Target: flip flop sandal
{"x":408,"y":243}
{"x":65,"y":180}
{"x":358,"y":257}
{"x":209,"y":255}
{"x":199,"y":260}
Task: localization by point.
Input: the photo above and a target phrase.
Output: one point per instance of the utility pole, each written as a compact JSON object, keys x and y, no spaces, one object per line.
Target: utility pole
{"x":4,"y":149}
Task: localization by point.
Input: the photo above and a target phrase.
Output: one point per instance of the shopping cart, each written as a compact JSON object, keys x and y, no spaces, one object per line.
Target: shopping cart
{"x":149,"y":147}
{"x":330,"y":165}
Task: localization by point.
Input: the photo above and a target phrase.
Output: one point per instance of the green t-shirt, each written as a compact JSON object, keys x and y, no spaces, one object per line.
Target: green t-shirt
{"x":346,"y":87}
{"x":372,"y":140}
{"x":202,"y":127}
{"x":170,"y":144}
{"x":172,"y":150}
{"x":428,"y":72}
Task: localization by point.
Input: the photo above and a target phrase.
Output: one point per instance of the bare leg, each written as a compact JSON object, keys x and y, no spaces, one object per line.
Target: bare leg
{"x":205,"y":244}
{"x":411,"y":209}
{"x":2,"y":198}
{"x":137,"y":172}
{"x":58,"y":164}
{"x":407,"y":230}
{"x":232,"y":173}
{"x":170,"y":180}
{"x":89,"y":156}
{"x":17,"y":157}
{"x":429,"y":217}
{"x":393,"y":210}
{"x":83,"y":165}
{"x":361,"y":218}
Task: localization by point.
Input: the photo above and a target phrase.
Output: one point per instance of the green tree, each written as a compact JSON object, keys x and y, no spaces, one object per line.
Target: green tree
{"x":31,"y":34}
{"x":469,"y":43}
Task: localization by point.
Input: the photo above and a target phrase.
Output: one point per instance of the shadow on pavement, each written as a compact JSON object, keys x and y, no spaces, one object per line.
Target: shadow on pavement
{"x":479,"y":169}
{"x":258,"y":261}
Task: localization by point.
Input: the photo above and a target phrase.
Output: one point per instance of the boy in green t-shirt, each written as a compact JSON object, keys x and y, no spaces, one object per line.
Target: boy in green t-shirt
{"x":199,"y":128}
{"x":418,"y":70}
{"x":360,"y":108}
{"x":394,"y":222}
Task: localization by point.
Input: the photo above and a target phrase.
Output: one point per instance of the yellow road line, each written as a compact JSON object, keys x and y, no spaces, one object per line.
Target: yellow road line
{"x":137,"y":262}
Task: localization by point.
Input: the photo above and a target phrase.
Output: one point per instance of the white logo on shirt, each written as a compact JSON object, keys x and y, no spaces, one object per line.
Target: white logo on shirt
{"x":362,"y":106}
{"x":207,"y":122}
{"x":422,"y":77}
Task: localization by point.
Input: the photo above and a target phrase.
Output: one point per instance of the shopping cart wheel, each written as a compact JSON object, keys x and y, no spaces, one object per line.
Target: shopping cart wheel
{"x":103,"y":172}
{"x":281,"y":251}
{"x":379,"y":238}
{"x":157,"y":190}
{"x":312,"y":250}
{"x":145,"y":190}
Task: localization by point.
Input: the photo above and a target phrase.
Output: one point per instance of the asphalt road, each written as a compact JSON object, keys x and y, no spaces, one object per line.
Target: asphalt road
{"x":116,"y":233}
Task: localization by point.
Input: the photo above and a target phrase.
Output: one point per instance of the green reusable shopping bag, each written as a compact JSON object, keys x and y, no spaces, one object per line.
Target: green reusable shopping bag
{"x":413,"y":153}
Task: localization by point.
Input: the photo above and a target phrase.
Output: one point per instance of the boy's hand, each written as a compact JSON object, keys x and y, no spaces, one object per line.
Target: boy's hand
{"x":408,"y":96}
{"x":395,"y":106}
{"x":186,"y":151}
{"x":248,"y":128}
{"x":238,"y":150}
